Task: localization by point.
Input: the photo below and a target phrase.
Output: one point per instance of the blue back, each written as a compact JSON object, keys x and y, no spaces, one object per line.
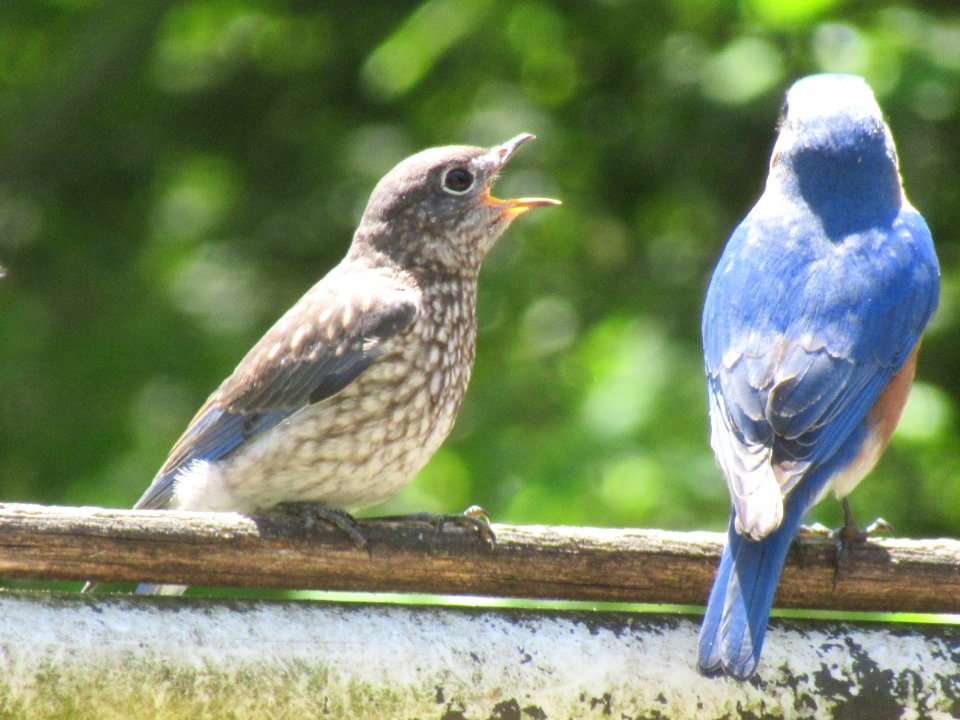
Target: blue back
{"x":854,"y":309}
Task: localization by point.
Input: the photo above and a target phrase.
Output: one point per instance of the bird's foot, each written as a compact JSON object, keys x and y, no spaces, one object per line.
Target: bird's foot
{"x":850,"y":534}
{"x":312,"y":512}
{"x":473,"y":518}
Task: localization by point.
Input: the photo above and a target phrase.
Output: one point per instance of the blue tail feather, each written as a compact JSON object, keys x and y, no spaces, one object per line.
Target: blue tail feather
{"x":749,"y":596}
{"x":735,"y":622}
{"x":709,"y":661}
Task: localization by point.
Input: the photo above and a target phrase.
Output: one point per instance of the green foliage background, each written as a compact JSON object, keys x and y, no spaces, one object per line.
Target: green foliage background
{"x":173,"y":175}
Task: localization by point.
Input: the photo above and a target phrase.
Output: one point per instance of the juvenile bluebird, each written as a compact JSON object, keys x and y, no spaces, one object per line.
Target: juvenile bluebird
{"x":353,"y":389}
{"x":811,"y":328}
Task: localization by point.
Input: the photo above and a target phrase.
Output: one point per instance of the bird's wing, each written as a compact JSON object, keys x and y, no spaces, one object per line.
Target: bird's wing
{"x":786,"y":392}
{"x":321,"y":345}
{"x":769,"y":428}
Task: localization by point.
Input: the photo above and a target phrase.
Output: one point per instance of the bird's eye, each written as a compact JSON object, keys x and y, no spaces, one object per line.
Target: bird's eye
{"x":458,"y":181}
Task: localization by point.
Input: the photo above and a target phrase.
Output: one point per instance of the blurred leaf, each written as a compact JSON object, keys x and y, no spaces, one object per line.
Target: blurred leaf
{"x":411,"y":51}
{"x":777,"y":13}
{"x":743,"y":70}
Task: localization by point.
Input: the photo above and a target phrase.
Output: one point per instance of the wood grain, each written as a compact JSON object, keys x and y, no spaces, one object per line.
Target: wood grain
{"x":565,"y":563}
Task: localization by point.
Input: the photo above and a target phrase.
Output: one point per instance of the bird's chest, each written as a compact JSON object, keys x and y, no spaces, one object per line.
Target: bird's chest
{"x":429,"y":366}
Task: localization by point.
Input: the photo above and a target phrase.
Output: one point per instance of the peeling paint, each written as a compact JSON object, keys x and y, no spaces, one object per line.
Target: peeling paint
{"x":66,"y":656}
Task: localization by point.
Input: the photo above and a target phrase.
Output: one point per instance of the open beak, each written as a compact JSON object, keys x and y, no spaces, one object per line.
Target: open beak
{"x":515,"y":207}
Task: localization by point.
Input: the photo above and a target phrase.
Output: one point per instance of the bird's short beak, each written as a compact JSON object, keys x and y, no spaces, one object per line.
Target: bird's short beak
{"x":514,"y":207}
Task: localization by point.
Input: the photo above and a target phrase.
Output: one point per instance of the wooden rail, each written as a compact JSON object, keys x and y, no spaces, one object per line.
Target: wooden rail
{"x":224,"y":549}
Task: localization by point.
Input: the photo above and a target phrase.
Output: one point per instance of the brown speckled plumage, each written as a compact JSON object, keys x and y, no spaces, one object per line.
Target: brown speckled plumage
{"x":357,"y":385}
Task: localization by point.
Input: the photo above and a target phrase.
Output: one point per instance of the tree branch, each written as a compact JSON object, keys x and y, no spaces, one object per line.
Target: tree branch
{"x":226,"y":549}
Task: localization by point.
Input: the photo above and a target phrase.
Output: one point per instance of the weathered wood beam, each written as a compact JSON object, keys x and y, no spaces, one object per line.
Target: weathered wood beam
{"x":224,"y":549}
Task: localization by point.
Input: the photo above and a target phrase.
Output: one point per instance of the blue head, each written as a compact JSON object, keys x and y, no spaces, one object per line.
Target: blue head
{"x":836,"y":153}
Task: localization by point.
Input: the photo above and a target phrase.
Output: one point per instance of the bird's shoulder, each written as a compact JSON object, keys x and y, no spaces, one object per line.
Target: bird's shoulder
{"x":340,"y":326}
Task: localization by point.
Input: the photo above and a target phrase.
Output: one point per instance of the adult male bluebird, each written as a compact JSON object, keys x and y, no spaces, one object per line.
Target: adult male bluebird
{"x":350,"y":393}
{"x":811,"y":328}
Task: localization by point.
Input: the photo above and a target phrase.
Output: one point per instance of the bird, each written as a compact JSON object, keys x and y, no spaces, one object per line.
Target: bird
{"x":356,"y":386}
{"x":811,"y":327}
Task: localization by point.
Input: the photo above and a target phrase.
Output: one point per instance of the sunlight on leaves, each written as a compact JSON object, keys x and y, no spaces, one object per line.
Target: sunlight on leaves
{"x":778,"y":13}
{"x":629,"y":365}
{"x":404,"y":58}
{"x":743,"y":70}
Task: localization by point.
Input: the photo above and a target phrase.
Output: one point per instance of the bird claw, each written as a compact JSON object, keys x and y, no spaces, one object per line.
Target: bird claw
{"x":850,"y":534}
{"x":479,"y":519}
{"x":879,"y":527}
{"x":815,"y":530}
{"x":342,"y":520}
{"x":473,"y":518}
